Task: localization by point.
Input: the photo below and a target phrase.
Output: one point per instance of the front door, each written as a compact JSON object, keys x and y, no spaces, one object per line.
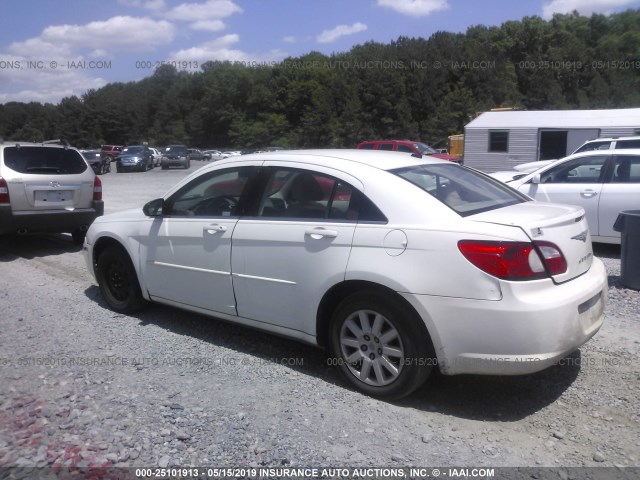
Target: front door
{"x":188,"y":255}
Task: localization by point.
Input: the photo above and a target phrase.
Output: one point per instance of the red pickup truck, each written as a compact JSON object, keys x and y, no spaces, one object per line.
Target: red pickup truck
{"x":407,"y":146}
{"x":111,"y":151}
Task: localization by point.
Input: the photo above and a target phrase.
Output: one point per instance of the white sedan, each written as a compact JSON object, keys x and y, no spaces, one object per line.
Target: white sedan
{"x":603,"y":182}
{"x":397,"y":265}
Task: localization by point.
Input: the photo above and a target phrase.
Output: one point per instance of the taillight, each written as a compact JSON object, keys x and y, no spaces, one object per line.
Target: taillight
{"x":97,"y":189}
{"x":514,"y":260}
{"x":4,"y":191}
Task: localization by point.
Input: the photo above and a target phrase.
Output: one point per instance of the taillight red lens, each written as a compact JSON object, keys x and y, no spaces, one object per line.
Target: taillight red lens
{"x":97,"y":189}
{"x":4,"y":191}
{"x":514,"y":260}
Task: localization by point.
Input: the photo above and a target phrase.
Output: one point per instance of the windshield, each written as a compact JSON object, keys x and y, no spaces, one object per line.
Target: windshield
{"x":425,"y":149}
{"x":134,"y":149}
{"x":180,"y":149}
{"x":465,"y":191}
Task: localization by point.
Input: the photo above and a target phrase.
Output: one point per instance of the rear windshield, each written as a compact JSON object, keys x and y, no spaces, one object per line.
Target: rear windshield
{"x":133,"y":149}
{"x":176,"y":149}
{"x":465,"y":191}
{"x":44,"y":160}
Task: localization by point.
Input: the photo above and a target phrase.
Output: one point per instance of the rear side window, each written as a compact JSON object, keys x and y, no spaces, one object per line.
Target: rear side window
{"x":385,"y":146}
{"x":366,"y":146}
{"x":44,"y":160}
{"x":465,"y":191}
{"x":628,"y":144}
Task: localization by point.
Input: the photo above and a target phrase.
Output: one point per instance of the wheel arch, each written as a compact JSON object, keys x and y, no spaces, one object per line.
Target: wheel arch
{"x":103,"y":243}
{"x":340,"y":291}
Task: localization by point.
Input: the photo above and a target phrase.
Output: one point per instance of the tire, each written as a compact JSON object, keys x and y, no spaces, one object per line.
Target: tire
{"x":164,"y":167}
{"x":187,"y":164}
{"x":365,"y":325}
{"x":118,"y":281}
{"x":78,"y":236}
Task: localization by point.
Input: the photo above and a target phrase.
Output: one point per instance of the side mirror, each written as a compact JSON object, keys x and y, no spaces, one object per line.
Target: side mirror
{"x":535,"y":178}
{"x":154,"y":208}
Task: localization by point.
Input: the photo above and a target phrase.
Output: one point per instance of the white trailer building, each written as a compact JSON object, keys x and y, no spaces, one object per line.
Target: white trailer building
{"x":501,"y":140}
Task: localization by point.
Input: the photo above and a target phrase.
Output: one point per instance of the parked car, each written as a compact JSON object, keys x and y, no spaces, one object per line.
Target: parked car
{"x":212,"y":155}
{"x":231,"y":153}
{"x":532,"y":166}
{"x":47,"y":188}
{"x":111,"y":152}
{"x":175,"y":156}
{"x":135,"y":157}
{"x":406,"y":146}
{"x":460,"y":272}
{"x":603,"y":182}
{"x":96,"y":161}
{"x":157,"y":156}
{"x":195,"y":154}
{"x":611,"y":143}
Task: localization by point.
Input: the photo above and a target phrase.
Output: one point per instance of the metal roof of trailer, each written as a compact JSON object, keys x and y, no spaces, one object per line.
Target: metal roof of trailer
{"x":565,"y":119}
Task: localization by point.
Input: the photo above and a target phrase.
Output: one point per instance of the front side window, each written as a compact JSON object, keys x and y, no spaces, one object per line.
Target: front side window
{"x":578,"y":170}
{"x":404,"y":148}
{"x":213,"y":194}
{"x":295,"y":193}
{"x":588,"y":147}
{"x":44,"y":160}
{"x":499,"y":141}
{"x":465,"y":191}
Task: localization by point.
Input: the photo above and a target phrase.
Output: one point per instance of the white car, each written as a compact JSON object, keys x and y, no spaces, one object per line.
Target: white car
{"x":603,"y":182}
{"x":398,"y":265}
{"x":157,"y":156}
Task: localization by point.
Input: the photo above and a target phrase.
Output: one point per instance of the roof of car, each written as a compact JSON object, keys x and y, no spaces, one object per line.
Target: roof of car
{"x":338,"y":158}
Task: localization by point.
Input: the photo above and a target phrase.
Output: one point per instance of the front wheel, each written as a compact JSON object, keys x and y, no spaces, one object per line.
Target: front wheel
{"x":118,"y":281}
{"x":379,"y":346}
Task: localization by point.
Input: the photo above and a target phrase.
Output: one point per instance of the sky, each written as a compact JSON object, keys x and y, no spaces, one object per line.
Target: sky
{"x":51,"y":49}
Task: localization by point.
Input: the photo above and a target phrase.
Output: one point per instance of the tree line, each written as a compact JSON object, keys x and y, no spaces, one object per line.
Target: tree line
{"x":415,"y":88}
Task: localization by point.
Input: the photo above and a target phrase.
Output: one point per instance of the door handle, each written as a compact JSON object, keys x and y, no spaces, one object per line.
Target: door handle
{"x":213,"y":229}
{"x":588,"y":193}
{"x":318,"y":233}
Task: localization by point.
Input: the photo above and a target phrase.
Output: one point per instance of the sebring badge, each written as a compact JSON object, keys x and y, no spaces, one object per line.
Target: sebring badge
{"x":581,"y":236}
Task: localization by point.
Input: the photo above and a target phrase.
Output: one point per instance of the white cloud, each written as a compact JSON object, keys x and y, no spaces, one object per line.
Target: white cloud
{"x":585,"y":7}
{"x":415,"y":8}
{"x":332,"y":35}
{"x":45,"y":84}
{"x":208,"y":25}
{"x":114,"y":34}
{"x":221,"y":49}
{"x":290,"y":39}
{"x":209,"y":10}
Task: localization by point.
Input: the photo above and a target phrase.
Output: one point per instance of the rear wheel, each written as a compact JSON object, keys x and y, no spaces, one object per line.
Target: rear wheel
{"x":187,"y":164}
{"x":379,"y":346}
{"x":118,"y":281}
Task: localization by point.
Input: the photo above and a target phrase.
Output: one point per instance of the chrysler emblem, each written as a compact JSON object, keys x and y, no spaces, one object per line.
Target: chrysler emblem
{"x":581,"y":236}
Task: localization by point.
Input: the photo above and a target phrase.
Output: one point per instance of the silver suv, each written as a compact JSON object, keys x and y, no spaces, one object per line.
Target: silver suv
{"x":611,"y":143}
{"x":47,"y":188}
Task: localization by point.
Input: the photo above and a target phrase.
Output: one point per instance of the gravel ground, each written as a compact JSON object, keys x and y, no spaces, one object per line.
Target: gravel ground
{"x":83,"y":386}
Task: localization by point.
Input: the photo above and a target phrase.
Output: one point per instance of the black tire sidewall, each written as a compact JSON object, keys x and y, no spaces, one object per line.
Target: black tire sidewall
{"x":134,"y":299}
{"x":416,"y":343}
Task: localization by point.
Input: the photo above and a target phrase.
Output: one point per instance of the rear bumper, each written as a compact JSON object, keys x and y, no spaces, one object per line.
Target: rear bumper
{"x":48,"y":221}
{"x":173,"y":162}
{"x":528,"y":330}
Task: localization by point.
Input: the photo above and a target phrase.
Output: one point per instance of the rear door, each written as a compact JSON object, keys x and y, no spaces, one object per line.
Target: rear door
{"x":620,"y":192}
{"x":575,"y":182}
{"x":294,"y":247}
